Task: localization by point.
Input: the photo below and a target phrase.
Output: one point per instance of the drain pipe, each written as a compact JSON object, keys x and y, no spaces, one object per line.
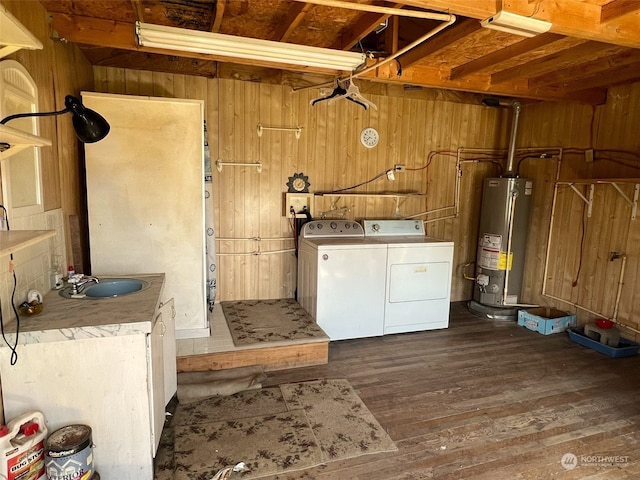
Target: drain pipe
{"x":515,"y":105}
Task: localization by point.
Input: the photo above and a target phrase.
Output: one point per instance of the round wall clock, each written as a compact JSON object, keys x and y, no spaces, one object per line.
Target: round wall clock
{"x":369,"y":137}
{"x":298,"y":183}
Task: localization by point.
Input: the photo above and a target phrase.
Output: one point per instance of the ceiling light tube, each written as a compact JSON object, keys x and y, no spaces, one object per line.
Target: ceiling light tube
{"x":171,"y":38}
{"x":516,"y":24}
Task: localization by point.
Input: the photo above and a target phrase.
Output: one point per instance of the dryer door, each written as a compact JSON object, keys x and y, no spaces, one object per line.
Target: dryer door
{"x":410,"y":282}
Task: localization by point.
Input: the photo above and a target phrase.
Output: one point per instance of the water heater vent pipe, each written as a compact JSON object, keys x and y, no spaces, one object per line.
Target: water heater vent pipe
{"x":515,"y":105}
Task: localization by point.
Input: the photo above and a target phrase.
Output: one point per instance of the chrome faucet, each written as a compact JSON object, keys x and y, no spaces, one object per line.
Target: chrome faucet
{"x":77,"y":287}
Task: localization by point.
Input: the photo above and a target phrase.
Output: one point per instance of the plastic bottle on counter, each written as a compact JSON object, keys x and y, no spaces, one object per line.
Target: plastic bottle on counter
{"x":71,"y":271}
{"x":55,"y":276}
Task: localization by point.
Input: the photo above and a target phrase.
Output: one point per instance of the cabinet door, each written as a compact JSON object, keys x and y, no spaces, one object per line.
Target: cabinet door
{"x":168,"y":318}
{"x":156,"y":386}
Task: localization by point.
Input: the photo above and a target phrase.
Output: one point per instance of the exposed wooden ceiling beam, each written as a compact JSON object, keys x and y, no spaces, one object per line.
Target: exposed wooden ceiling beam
{"x":217,"y":16}
{"x":566,"y":58}
{"x":365,"y":25}
{"x":601,"y":67}
{"x":613,"y":76}
{"x":109,"y":57}
{"x":391,"y":35}
{"x":372,"y":8}
{"x":138,"y":10}
{"x":444,"y":39}
{"x":294,"y":17}
{"x":507,"y":53}
{"x":618,"y":8}
{"x":575,"y":18}
{"x":120,"y":35}
{"x":435,"y":77}
{"x":479,"y":9}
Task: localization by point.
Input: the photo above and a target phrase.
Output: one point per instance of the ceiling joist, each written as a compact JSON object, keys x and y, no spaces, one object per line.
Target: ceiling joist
{"x":590,"y":41}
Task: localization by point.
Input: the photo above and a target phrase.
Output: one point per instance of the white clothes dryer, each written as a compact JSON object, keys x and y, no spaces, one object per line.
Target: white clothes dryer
{"x":418,"y":276}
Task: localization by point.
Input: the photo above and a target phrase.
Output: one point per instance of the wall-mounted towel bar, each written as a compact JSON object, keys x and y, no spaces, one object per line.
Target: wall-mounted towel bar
{"x":220,"y":164}
{"x":262,"y":128}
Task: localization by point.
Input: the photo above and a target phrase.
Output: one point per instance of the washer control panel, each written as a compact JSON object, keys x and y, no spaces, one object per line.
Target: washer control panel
{"x":331,"y":228}
{"x":386,"y":228}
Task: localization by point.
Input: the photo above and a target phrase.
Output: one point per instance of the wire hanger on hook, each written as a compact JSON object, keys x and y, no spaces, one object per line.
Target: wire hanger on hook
{"x":339,"y":92}
{"x":353,"y":93}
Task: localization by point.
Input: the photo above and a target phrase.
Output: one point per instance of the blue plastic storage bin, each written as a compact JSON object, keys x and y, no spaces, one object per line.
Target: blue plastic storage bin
{"x":626,"y":348}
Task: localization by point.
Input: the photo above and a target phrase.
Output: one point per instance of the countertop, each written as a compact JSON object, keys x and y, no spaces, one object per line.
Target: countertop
{"x":70,"y":318}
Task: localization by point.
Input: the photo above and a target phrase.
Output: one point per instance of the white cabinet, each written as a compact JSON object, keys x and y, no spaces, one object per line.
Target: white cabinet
{"x":113,"y":383}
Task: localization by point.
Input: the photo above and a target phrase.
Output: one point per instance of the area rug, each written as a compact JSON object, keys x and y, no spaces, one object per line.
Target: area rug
{"x":275,"y":430}
{"x":259,"y":321}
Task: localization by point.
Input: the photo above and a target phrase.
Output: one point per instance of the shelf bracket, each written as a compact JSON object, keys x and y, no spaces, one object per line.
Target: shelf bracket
{"x":633,"y":203}
{"x":220,"y":164}
{"x":297,"y":130}
{"x":588,"y":201}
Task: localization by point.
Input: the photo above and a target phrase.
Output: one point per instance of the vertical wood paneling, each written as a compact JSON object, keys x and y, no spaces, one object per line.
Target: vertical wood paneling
{"x":330,"y":154}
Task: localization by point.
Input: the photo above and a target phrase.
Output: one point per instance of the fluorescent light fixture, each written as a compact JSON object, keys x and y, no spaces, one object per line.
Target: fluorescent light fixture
{"x":171,"y":38}
{"x":516,"y":24}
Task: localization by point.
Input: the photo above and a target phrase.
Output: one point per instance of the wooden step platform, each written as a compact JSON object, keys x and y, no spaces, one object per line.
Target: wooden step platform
{"x":218,"y":351}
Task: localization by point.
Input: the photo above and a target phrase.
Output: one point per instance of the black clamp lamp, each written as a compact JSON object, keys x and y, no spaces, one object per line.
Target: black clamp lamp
{"x":89,"y":125}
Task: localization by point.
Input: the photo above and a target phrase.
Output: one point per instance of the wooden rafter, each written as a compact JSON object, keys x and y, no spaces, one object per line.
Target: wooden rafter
{"x":512,"y":51}
{"x":121,"y":35}
{"x":575,"y":18}
{"x":617,"y":8}
{"x":365,"y":25}
{"x":138,"y":10}
{"x":459,"y":31}
{"x":614,"y":76}
{"x":601,"y":67}
{"x":109,"y":57}
{"x":439,"y":78}
{"x":217,"y":17}
{"x":565,"y":58}
{"x":391,"y":35}
{"x":294,"y":17}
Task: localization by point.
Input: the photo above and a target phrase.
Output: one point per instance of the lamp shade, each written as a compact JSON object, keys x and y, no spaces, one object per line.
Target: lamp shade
{"x":89,"y":125}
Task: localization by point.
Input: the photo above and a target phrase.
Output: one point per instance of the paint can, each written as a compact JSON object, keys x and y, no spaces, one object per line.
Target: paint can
{"x":69,"y":453}
{"x":22,"y":446}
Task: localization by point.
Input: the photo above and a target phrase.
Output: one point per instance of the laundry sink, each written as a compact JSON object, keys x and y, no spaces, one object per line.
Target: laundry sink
{"x":107,"y":288}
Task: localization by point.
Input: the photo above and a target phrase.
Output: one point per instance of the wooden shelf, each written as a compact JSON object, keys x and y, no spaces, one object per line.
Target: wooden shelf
{"x":14,"y":36}
{"x":19,"y":140}
{"x":389,"y":195}
{"x":14,"y":240}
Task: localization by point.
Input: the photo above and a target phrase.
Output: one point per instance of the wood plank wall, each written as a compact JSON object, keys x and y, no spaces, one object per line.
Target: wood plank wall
{"x":412,"y":124}
{"x":580,"y":268}
{"x":58,"y":70}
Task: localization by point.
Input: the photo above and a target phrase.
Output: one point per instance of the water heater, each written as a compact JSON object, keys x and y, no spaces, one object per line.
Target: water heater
{"x":502,"y":240}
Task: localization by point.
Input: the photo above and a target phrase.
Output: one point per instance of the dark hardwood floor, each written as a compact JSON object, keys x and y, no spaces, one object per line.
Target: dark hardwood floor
{"x":486,"y":399}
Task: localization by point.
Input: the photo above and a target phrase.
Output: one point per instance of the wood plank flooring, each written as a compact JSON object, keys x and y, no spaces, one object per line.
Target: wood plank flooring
{"x":486,"y":400}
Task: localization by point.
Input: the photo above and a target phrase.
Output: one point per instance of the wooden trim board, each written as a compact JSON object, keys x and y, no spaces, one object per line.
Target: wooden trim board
{"x":271,"y":358}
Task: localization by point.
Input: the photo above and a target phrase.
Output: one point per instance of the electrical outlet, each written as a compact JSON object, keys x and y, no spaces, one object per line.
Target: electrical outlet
{"x":588,"y":155}
{"x":298,"y":203}
{"x":399,"y":168}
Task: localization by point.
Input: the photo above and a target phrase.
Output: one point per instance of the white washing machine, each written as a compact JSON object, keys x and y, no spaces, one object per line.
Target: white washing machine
{"x":341,"y":278}
{"x":418,"y":274}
